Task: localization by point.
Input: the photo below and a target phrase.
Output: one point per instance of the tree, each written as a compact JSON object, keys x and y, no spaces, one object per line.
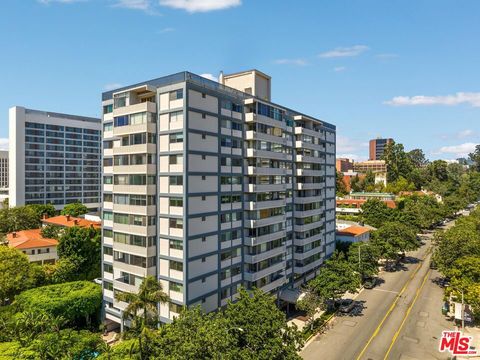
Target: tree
{"x":67,"y":344}
{"x":310,"y":303}
{"x":397,"y":162}
{"x":64,"y":270}
{"x":393,"y":238}
{"x":84,"y":246}
{"x":50,"y":232}
{"x":363,"y":257}
{"x":74,"y":209}
{"x":438,"y":169}
{"x":369,"y":181}
{"x":376,"y":212}
{"x":260,"y":328}
{"x":356,"y":184}
{"x":341,"y":189}
{"x":15,"y":273}
{"x":78,"y":302}
{"x":142,"y":307}
{"x":194,"y":335}
{"x":41,"y":210}
{"x":417,"y":158}
{"x":18,"y":218}
{"x":475,"y":157}
{"x":334,"y":279}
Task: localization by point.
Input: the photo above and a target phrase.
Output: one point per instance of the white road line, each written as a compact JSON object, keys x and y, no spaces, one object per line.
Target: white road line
{"x":390,"y":291}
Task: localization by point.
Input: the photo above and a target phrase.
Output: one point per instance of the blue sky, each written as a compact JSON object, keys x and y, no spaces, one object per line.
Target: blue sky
{"x":401,"y":69}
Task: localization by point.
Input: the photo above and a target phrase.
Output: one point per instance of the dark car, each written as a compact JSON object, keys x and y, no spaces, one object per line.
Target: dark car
{"x":346,"y":305}
{"x":370,"y":283}
{"x":433,"y":265}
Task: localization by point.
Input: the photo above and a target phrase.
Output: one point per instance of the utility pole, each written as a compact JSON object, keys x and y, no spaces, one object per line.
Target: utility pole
{"x":463,"y":313}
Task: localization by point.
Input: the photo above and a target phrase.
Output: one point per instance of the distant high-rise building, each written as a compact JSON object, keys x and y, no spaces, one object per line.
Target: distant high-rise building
{"x":344,"y":164}
{"x":210,"y":186}
{"x":53,"y":158}
{"x":377,"y":148}
{"x":3,"y":169}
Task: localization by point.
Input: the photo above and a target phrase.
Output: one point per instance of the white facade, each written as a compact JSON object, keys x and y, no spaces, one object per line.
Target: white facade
{"x":53,"y":158}
{"x":209,"y":188}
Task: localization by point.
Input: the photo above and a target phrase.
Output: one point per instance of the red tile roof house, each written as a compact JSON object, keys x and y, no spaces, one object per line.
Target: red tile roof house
{"x":31,"y":242}
{"x":353,"y":234}
{"x":70,"y":221}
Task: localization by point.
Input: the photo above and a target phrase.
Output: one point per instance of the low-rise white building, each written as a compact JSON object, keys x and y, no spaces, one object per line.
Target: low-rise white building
{"x":31,"y":242}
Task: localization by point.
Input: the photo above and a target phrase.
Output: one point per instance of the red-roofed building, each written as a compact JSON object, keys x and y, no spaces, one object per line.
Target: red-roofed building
{"x":31,"y":242}
{"x":70,"y":221}
{"x":353,"y":234}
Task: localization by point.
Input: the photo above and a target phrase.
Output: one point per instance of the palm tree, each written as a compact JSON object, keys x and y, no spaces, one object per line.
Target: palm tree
{"x":150,"y":293}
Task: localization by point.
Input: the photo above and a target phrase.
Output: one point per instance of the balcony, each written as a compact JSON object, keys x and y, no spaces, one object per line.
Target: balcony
{"x":146,"y":106}
{"x":308,"y":199}
{"x":257,"y":205}
{"x":131,"y":129}
{"x":309,"y":186}
{"x":274,"y":284}
{"x":265,"y":188}
{"x":252,"y":259}
{"x":264,"y":222}
{"x":267,"y":154}
{"x":135,"y":169}
{"x":309,"y":159}
{"x":135,"y":149}
{"x":135,"y":189}
{"x":253,"y":241}
{"x":255,"y":170}
{"x":254,"y":276}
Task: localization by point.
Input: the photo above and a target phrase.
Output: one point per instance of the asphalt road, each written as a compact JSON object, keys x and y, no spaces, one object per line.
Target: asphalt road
{"x":399,"y":319}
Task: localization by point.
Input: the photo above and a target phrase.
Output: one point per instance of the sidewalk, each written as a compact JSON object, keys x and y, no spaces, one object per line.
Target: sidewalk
{"x":474,"y":332}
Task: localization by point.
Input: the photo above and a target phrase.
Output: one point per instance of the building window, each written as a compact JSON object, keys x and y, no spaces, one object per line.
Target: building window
{"x":175,"y":244}
{"x":176,"y":116}
{"x":204,"y":157}
{"x":176,"y":180}
{"x":204,"y":136}
{"x":107,"y":109}
{"x":174,"y":286}
{"x":176,"y":138}
{"x":177,"y":202}
{"x":204,"y":95}
{"x":204,"y":177}
{"x":176,"y":223}
{"x":176,"y":265}
{"x":175,"y":95}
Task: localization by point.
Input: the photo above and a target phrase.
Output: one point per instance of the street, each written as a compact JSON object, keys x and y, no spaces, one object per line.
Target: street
{"x":400,"y":319}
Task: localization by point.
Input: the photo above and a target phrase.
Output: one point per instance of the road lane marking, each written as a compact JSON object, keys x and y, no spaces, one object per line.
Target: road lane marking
{"x":389,"y":291}
{"x":394,"y":339}
{"x":375,"y":333}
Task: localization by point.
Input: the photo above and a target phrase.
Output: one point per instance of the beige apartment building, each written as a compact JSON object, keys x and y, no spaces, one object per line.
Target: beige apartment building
{"x":209,"y":186}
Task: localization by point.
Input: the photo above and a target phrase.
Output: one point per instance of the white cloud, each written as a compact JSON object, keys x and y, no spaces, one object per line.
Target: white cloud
{"x":344,"y":51}
{"x":339,"y":68}
{"x":472,"y":99}
{"x":465,"y":134}
{"x":461,"y":150}
{"x":193,"y":6}
{"x":209,"y":77}
{"x":142,"y":5}
{"x":166,"y":30}
{"x":351,"y":148}
{"x":112,"y":86}
{"x":298,"y":62}
{"x":386,"y":56}
{"x":46,"y":2}
{"x":3,"y":143}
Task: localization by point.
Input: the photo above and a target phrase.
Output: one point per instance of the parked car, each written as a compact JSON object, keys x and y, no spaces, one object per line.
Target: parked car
{"x":370,"y":283}
{"x":346,"y":305}
{"x":98,"y":281}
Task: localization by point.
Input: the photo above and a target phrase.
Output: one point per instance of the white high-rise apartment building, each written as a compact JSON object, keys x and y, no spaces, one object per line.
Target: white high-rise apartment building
{"x":54,"y":158}
{"x":3,"y":169}
{"x":210,"y":186}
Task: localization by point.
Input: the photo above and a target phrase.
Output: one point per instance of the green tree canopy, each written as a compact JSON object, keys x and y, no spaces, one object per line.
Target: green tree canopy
{"x":363,"y":257}
{"x":334,"y":279}
{"x":83,"y":245}
{"x":375,"y":212}
{"x":74,"y":209}
{"x":75,"y":301}
{"x":16,"y":273}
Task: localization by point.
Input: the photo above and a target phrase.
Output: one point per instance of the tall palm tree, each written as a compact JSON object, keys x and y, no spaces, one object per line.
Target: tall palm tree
{"x":150,"y":293}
